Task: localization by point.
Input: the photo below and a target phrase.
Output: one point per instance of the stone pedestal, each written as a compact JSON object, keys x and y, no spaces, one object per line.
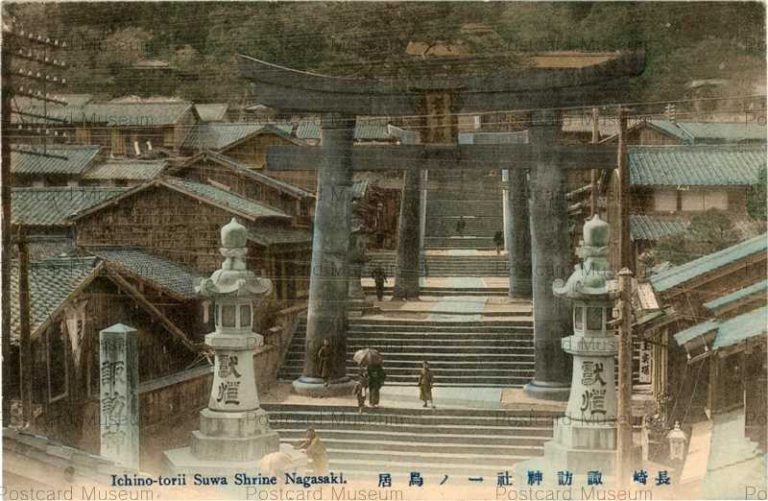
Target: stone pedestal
{"x":234,"y":431}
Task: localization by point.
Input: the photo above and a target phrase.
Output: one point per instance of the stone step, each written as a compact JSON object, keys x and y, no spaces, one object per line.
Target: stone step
{"x":441,"y":359}
{"x":447,"y":291}
{"x":488,"y":437}
{"x":466,"y":326}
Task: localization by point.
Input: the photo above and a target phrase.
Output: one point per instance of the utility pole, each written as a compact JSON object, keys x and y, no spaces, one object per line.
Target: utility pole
{"x":25,"y":338}
{"x":625,"y":244}
{"x":594,"y":174}
{"x":6,"y":52}
{"x":624,"y":442}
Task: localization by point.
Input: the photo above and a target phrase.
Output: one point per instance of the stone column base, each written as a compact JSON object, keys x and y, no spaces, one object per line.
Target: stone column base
{"x":315,"y":387}
{"x":544,"y":390}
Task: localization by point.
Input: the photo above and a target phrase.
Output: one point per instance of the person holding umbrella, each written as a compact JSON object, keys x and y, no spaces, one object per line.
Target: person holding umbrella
{"x":373,"y":360}
{"x":379,"y":277}
{"x":426,"y":381}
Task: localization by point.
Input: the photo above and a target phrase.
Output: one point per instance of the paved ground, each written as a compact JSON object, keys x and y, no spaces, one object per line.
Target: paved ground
{"x":452,"y":282}
{"x":452,"y":308}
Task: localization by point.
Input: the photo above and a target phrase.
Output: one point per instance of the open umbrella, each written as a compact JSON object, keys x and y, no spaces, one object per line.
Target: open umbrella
{"x":286,"y":459}
{"x":368,"y":356}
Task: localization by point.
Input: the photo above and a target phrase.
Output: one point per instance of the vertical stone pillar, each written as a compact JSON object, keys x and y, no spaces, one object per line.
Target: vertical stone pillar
{"x":119,"y":394}
{"x":506,"y":210}
{"x":407,"y":270}
{"x":517,"y":226}
{"x":550,"y":253}
{"x":329,"y":277}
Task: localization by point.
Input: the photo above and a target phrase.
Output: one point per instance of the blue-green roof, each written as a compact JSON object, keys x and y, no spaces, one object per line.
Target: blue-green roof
{"x":712,"y":132}
{"x":756,"y":288}
{"x":678,"y":275}
{"x":218,"y":136}
{"x":742,"y":327}
{"x":54,"y":159}
{"x":51,"y":206}
{"x":517,"y":137}
{"x":706,"y":165}
{"x":697,"y":330}
{"x":643,"y":227}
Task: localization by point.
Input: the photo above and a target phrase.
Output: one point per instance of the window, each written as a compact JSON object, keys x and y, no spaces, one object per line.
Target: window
{"x":578,"y":318}
{"x":57,"y":364}
{"x":594,"y":319}
{"x":228,"y":315}
{"x":245,"y":315}
{"x":665,"y":200}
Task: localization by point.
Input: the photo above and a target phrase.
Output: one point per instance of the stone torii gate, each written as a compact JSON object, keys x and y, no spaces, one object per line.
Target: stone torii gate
{"x":339,"y":100}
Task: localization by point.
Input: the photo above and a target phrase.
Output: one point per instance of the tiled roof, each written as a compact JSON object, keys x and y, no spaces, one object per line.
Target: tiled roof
{"x":677,"y":275}
{"x":365,"y":130}
{"x":643,"y":227}
{"x":225,"y":199}
{"x":51,"y":283}
{"x":517,"y":137}
{"x":50,"y":206}
{"x":133,"y":114}
{"x":742,"y":327}
{"x":132,"y":170}
{"x":754,"y":289}
{"x":218,"y":136}
{"x":703,"y":132}
{"x":709,"y":165}
{"x":166,"y":274}
{"x":274,"y":234}
{"x":359,"y":188}
{"x":236,"y":166}
{"x":211,"y":112}
{"x":54,"y":159}
{"x":697,"y":330}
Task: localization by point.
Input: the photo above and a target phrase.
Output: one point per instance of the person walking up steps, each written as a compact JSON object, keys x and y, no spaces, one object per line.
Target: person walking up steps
{"x":376,"y":376}
{"x":498,"y":239}
{"x":379,"y":278}
{"x":426,"y":381}
{"x":460,"y":224}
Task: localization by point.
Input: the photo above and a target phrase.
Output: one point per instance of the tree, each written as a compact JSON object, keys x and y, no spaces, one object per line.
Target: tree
{"x":757,"y":207}
{"x":708,"y":232}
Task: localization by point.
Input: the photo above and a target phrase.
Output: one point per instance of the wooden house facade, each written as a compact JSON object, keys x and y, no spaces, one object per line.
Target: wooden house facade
{"x":685,"y":295}
{"x":181,"y":220}
{"x":71,"y":300}
{"x":231,"y":175}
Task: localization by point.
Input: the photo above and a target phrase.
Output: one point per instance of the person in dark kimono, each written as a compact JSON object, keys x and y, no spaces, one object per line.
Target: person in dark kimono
{"x":426,"y":381}
{"x":379,"y":277}
{"x":324,"y":356}
{"x":498,"y":239}
{"x":460,"y":224}
{"x":376,"y":376}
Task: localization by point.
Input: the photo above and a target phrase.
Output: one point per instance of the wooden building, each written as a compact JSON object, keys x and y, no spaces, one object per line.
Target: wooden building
{"x":670,"y":184}
{"x":44,"y":214}
{"x":53,"y":165}
{"x":123,"y":172}
{"x":71,"y":300}
{"x":229,"y":174}
{"x":689,"y":298}
{"x":669,"y":132}
{"x":181,"y":219}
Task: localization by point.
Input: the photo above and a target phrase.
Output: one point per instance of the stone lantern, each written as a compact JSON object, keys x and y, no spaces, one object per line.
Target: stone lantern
{"x":677,"y":440}
{"x":584,"y":439}
{"x":234,"y":431}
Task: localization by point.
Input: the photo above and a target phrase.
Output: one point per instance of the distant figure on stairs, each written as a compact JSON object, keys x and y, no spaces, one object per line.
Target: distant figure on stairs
{"x":324,"y":355}
{"x":498,"y":239}
{"x":379,"y":277}
{"x":376,"y":376}
{"x":426,"y":380}
{"x":460,"y":224}
{"x":316,"y":452}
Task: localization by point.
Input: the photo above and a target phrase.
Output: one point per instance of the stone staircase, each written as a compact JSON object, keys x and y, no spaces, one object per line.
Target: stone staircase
{"x":461,"y":353}
{"x":444,"y":265}
{"x":475,"y":197}
{"x":456,"y":442}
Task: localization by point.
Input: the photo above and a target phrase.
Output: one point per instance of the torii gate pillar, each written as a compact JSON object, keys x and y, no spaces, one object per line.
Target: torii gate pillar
{"x":324,"y":374}
{"x":550,"y":253}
